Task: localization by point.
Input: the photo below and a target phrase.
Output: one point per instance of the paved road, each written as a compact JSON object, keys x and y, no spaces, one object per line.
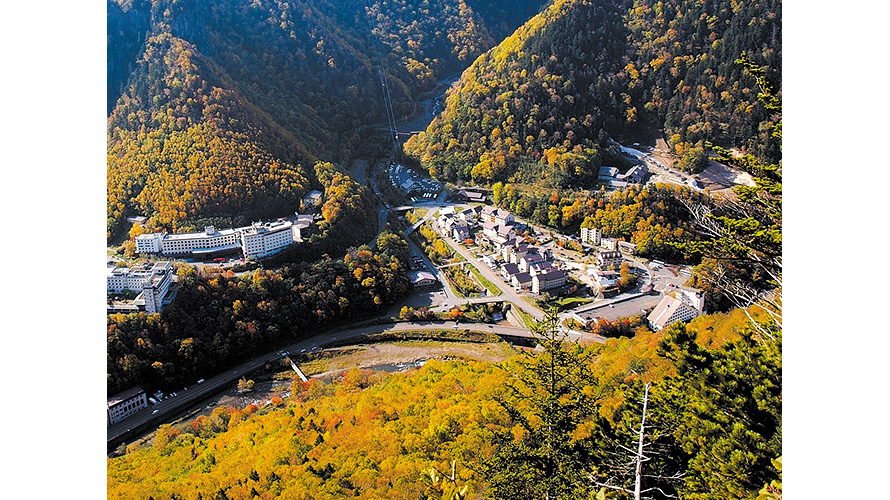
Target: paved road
{"x":507,"y":291}
{"x":470,"y":300}
{"x":147,"y":418}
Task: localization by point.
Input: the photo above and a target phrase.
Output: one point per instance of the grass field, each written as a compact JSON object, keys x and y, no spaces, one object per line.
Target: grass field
{"x":493,"y":290}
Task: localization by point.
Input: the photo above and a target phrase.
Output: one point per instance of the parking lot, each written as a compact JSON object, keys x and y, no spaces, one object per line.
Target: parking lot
{"x":667,"y":277}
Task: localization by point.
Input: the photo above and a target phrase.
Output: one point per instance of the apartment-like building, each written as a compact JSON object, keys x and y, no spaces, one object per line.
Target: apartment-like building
{"x":627,"y":247}
{"x":155,"y":290}
{"x":591,"y":235}
{"x":541,"y":267}
{"x":127,"y":278}
{"x":189,"y":243}
{"x":548,"y":281}
{"x":692,"y":296}
{"x":497,"y":233}
{"x":608,"y":259}
{"x":670,"y":310}
{"x":508,"y":270}
{"x":460,"y":232}
{"x":468,"y":216}
{"x":124,"y":404}
{"x":515,"y":252}
{"x":444,"y":224}
{"x":605,"y":279}
{"x":609,"y":243}
{"x":528,"y":260}
{"x":312,"y":199}
{"x":497,"y":215}
{"x":261,"y":240}
{"x":521,"y":281}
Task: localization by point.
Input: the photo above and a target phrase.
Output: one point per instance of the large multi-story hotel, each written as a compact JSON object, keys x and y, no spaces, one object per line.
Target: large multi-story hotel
{"x":682,"y":305}
{"x":153,"y":283}
{"x":254,"y":241}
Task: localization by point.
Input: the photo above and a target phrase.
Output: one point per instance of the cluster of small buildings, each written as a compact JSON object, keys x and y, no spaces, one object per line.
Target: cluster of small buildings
{"x":418,"y":188}
{"x":521,"y":264}
{"x":154,"y":285}
{"x":614,"y":179}
{"x":681,"y":304}
{"x":609,"y":256}
{"x":527,"y":269}
{"x":457,"y":225}
{"x":254,"y":241}
{"x":593,"y":236}
{"x":498,"y":226}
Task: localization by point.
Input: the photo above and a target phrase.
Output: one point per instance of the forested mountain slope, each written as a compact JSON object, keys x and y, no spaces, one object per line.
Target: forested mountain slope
{"x":221,"y":108}
{"x":218,"y":321}
{"x":551,"y":423}
{"x":127,"y":27}
{"x":181,"y":146}
{"x":586,"y":70}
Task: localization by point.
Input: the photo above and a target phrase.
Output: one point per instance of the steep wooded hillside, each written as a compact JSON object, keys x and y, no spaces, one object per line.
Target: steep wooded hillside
{"x":218,"y":321}
{"x":511,"y":433}
{"x":586,"y":70}
{"x":127,"y":27}
{"x":180,"y":146}
{"x":220,"y":109}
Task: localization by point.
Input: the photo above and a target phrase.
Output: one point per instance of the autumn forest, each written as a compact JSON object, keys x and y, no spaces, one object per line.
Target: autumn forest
{"x":230,"y":111}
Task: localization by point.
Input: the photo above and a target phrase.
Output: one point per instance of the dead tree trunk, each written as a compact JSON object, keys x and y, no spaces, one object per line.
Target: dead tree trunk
{"x":639,"y":480}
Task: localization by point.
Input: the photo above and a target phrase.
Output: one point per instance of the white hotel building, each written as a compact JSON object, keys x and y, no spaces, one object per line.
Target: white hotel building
{"x":153,"y":283}
{"x":255,"y":241}
{"x":685,"y":304}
